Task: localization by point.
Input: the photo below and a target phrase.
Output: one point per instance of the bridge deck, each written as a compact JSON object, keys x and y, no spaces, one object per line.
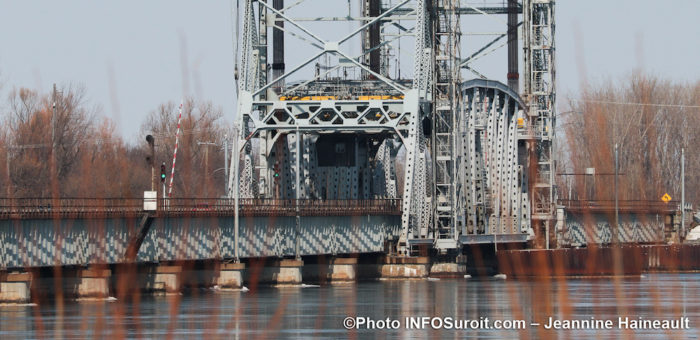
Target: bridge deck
{"x":37,"y":208}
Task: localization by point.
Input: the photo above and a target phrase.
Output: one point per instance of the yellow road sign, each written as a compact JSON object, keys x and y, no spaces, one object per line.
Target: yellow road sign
{"x":666,"y":198}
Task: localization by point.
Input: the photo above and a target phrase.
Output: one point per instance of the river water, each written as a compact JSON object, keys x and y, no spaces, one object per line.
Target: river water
{"x":320,"y":312}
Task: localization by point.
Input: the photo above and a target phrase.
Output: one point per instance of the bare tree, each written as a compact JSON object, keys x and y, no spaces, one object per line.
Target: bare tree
{"x":35,"y":130}
{"x":650,"y":119}
{"x":201,"y":125}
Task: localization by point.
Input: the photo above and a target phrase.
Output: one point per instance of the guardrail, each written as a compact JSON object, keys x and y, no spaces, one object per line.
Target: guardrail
{"x":639,"y":206}
{"x":113,"y":207}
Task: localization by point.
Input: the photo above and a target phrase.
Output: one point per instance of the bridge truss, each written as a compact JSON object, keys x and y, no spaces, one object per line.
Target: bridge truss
{"x":470,"y":161}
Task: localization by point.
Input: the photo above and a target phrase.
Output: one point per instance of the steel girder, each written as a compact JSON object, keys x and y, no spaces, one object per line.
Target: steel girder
{"x":540,"y":94}
{"x":496,"y":183}
{"x":451,"y":188}
{"x":262,"y":117}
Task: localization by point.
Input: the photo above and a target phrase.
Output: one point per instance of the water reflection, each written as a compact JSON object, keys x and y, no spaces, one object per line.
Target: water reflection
{"x":318,"y":312}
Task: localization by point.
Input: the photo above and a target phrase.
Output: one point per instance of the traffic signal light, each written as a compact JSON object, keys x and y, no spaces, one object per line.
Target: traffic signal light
{"x":162,"y":173}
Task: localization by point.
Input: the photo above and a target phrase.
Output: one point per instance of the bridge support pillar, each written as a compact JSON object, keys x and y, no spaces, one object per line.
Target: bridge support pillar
{"x":286,"y":272}
{"x":396,"y":267}
{"x":166,"y":279}
{"x":15,"y":287}
{"x":94,"y":283}
{"x":230,"y":275}
{"x":333,"y":270}
{"x":455,"y":267}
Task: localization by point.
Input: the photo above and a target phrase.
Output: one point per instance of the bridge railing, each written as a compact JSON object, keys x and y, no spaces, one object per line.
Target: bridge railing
{"x":639,"y":206}
{"x":47,"y":207}
{"x":281,"y":207}
{"x":69,"y":205}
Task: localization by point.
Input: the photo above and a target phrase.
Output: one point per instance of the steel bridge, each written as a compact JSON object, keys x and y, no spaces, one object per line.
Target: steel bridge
{"x":82,"y":232}
{"x":345,"y":152}
{"x":354,"y":153}
{"x":471,"y":161}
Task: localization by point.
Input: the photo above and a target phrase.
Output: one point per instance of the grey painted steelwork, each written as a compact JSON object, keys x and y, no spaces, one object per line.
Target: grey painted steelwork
{"x":473,"y":162}
{"x":493,"y":238}
{"x":47,"y":242}
{"x":596,"y":228}
{"x":495,"y":145}
{"x":540,"y":96}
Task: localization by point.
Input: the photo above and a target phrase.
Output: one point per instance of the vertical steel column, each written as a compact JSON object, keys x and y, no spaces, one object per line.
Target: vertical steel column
{"x":371,"y":8}
{"x":513,"y":45}
{"x":297,"y":192}
{"x":527,"y":87}
{"x":278,"y":48}
{"x":236,"y":185}
{"x":449,"y":216}
{"x":262,"y":46}
{"x":540,"y":94}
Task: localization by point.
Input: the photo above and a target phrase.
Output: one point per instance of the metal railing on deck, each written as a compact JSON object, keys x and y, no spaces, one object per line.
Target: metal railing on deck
{"x":113,"y":207}
{"x":638,"y":206}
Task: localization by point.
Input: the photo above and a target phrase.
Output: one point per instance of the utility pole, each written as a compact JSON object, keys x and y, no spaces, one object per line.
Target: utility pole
{"x":682,"y":193}
{"x":616,"y":241}
{"x":225,"y":162}
{"x":9,"y":178}
{"x":53,"y":121}
{"x":206,"y":165}
{"x":54,"y":172}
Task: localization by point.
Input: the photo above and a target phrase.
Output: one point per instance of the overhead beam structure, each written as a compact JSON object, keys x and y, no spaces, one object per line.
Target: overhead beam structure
{"x":341,"y":125}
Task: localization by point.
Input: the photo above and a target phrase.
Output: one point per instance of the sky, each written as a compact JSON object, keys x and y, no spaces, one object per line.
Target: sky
{"x":132,"y":56}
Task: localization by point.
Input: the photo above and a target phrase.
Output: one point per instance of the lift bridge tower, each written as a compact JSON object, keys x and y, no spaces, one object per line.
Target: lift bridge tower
{"x":375,"y":106}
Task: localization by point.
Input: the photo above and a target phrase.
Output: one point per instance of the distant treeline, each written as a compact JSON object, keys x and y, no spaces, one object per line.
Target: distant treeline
{"x":90,"y":159}
{"x":650,"y":119}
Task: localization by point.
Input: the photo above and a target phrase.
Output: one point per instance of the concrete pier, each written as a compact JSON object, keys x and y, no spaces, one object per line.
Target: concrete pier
{"x":284,"y":272}
{"x":164,"y":279}
{"x":93,"y":283}
{"x":331,"y":270}
{"x":15,"y":287}
{"x":454,"y":267}
{"x":212,"y":274}
{"x":230,"y":275}
{"x":395,"y":267}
